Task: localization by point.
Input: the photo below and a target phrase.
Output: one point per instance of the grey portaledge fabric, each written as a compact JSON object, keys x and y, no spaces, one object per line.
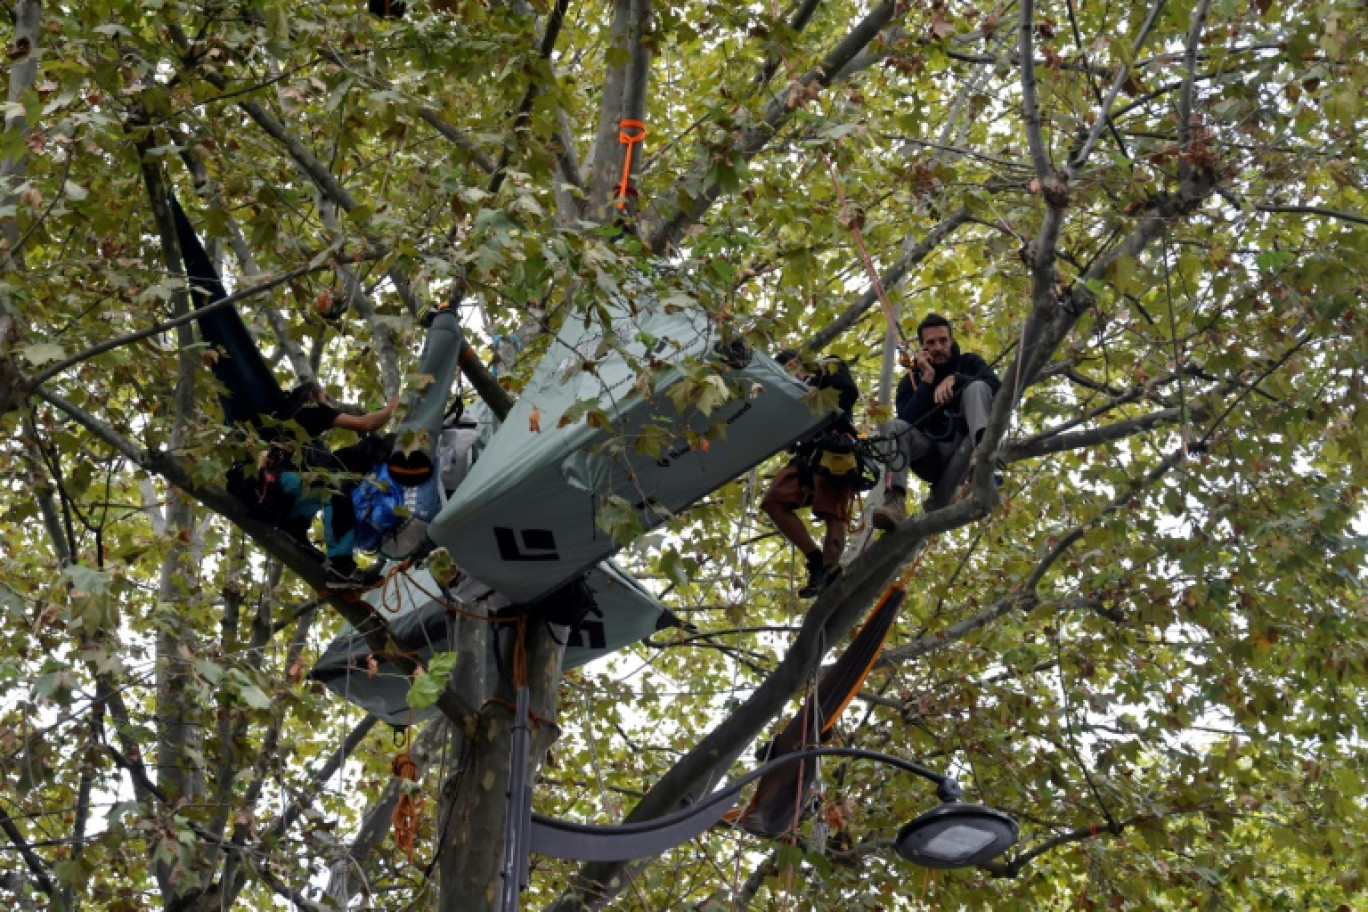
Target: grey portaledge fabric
{"x":412,"y":605}
{"x":524,"y":521}
{"x":424,"y":408}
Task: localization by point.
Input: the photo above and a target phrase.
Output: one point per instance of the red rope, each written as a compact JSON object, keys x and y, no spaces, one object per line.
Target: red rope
{"x":864,"y":254}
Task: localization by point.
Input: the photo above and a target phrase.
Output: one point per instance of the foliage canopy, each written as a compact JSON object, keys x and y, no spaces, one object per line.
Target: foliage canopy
{"x":1147,"y":646}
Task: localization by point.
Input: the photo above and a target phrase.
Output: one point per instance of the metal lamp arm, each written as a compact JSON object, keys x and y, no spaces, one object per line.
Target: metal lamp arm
{"x":622,"y":842}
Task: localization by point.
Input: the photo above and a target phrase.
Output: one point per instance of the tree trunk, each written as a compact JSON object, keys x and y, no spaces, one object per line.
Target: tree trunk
{"x":474,"y":802}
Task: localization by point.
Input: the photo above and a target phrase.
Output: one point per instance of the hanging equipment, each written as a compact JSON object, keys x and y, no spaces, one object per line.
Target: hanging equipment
{"x":771,"y":808}
{"x":630,"y":133}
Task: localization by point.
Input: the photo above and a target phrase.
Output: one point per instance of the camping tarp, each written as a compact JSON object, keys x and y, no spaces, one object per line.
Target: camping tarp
{"x":411,"y":603}
{"x":524,"y":521}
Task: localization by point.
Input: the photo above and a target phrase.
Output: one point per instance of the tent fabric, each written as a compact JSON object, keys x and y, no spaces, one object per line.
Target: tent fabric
{"x":782,"y":795}
{"x":411,"y":604}
{"x":251,"y":387}
{"x":422,"y":425}
{"x":524,"y":520}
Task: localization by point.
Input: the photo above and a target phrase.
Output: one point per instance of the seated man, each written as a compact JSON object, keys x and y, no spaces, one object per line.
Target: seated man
{"x":308,"y":406}
{"x":804,"y":483}
{"x":944,"y":397}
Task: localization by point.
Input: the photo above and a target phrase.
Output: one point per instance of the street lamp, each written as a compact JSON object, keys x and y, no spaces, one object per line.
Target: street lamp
{"x":952,"y":835}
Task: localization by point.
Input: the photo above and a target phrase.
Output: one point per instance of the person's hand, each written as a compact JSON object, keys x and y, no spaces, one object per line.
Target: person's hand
{"x":946,"y":391}
{"x":392,"y":404}
{"x":928,"y":370}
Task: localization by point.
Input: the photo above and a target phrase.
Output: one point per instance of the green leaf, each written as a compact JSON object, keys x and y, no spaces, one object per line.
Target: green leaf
{"x":41,"y":353}
{"x":253,"y":696}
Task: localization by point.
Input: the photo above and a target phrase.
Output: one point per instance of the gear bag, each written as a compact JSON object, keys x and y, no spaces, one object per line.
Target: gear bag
{"x":379,"y":504}
{"x":839,"y":456}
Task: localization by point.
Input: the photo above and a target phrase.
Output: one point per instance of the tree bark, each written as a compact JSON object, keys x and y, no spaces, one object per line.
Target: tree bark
{"x":474,"y":801}
{"x":177,"y":729}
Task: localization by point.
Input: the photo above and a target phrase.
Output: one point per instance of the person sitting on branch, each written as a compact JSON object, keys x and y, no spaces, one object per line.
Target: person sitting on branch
{"x":807,"y":481}
{"x":308,"y":407}
{"x":943,"y":399}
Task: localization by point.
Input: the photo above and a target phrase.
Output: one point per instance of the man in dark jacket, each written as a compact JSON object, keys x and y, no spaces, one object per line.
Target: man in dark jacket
{"x":944,"y":398}
{"x":806,"y":481}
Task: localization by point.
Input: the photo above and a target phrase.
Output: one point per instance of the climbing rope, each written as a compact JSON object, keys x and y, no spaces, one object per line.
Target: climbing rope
{"x":630,"y":133}
{"x":852,"y":219}
{"x":408,"y":810}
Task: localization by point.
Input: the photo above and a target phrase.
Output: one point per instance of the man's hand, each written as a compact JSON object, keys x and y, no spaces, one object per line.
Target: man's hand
{"x":924,"y":365}
{"x":946,"y":391}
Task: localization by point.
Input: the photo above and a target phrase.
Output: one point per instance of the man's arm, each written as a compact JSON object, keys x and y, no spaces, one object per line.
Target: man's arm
{"x":371,"y":421}
{"x":913,"y":400}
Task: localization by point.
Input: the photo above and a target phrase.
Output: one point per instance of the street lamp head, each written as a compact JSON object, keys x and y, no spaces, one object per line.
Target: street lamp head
{"x":956,"y":835}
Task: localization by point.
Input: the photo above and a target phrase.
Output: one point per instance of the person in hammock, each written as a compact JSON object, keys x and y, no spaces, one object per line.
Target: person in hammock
{"x":296,"y":454}
{"x":805,"y":483}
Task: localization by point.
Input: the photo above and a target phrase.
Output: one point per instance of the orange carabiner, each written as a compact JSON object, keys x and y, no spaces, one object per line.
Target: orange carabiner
{"x":630,"y":132}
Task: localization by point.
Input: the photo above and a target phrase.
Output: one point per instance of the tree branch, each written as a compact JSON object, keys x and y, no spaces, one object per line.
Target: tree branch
{"x":1058,"y":443}
{"x":665,"y":223}
{"x":303,"y":560}
{"x":1315,"y":210}
{"x":831,"y":617}
{"x":32,"y":385}
{"x":605,"y":167}
{"x":1017,"y":864}
{"x":1199,"y":16}
{"x":912,"y":255}
{"x":209,"y":192}
{"x":1104,"y":111}
{"x":1030,"y":107}
{"x":31,"y":858}
{"x":375,"y":824}
{"x":28,"y":21}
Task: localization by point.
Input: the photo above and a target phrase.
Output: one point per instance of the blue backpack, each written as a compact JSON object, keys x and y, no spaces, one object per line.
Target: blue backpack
{"x":379,"y":503}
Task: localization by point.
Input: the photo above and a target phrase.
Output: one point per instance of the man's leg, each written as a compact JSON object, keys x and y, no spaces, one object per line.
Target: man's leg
{"x":830,"y":503}
{"x":301,"y":508}
{"x":912,"y":449}
{"x":790,"y":526}
{"x":339,"y":537}
{"x":785,"y":495}
{"x":976,"y":402}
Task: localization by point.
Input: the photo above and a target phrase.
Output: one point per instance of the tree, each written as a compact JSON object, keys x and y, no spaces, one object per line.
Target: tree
{"x":1143,"y":645}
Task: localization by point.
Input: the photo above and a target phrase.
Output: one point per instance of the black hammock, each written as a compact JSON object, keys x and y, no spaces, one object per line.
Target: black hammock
{"x":250,"y":388}
{"x":781,"y":796}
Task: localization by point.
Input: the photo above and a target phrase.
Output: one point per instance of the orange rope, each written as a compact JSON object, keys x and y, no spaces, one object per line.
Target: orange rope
{"x":391,"y":596}
{"x":630,"y":132}
{"x":456,"y":609}
{"x":408,"y":811}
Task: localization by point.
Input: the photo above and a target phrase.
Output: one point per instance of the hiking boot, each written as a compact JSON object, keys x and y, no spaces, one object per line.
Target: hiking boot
{"x":893,"y":511}
{"x":343,"y":574}
{"x":818,"y":575}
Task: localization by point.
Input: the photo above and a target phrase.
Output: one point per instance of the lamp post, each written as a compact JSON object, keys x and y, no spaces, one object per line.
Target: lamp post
{"x":951,"y":835}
